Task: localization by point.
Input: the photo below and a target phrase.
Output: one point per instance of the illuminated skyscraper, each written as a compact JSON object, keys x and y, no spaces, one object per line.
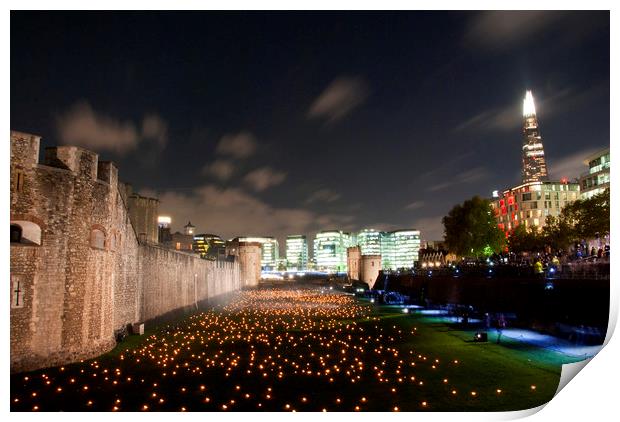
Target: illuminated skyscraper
{"x":406,"y":248}
{"x":369,"y":240}
{"x":330,"y":250}
{"x":398,"y":249}
{"x":534,"y":166}
{"x":297,"y":252}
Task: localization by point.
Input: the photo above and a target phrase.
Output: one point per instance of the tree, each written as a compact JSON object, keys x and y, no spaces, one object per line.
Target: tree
{"x":588,"y":218}
{"x":582,"y":219}
{"x":523,"y":239}
{"x":471,"y":229}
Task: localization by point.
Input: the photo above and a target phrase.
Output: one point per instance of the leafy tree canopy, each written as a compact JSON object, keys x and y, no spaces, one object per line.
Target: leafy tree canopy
{"x":582,"y":219}
{"x":471,"y":230}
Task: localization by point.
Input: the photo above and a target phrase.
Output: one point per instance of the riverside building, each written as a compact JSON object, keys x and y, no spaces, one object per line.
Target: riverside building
{"x":296,"y":252}
{"x":398,"y":249}
{"x":403,"y":247}
{"x":596,"y":179}
{"x":531,"y":203}
{"x":369,"y":241}
{"x":209,"y":246}
{"x":330,"y":250}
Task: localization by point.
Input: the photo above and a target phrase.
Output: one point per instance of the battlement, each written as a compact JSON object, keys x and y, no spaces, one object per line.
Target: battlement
{"x":107,"y":172}
{"x":24,"y":149}
{"x":76,"y":159}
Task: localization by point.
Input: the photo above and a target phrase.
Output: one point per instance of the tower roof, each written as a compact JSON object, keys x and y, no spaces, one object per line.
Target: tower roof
{"x":189,"y":224}
{"x":528,"y":105}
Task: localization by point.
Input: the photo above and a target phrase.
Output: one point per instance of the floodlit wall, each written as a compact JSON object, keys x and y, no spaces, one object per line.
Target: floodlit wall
{"x":78,"y":272}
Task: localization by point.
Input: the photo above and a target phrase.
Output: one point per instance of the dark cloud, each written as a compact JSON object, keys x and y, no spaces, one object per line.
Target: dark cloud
{"x":415,"y":205}
{"x":322,"y":195}
{"x":339,"y":99}
{"x":83,"y":126}
{"x":264,"y":178}
{"x":240,"y":145}
{"x":503,"y":29}
{"x":220,"y":169}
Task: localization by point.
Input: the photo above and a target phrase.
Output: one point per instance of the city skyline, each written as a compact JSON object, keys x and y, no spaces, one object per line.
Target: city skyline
{"x":295,"y":211}
{"x":250,"y":132}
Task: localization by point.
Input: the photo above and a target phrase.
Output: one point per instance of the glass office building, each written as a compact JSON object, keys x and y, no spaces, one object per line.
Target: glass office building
{"x":369,"y":241}
{"x":209,"y":246}
{"x":296,"y":252}
{"x":399,"y":249}
{"x":270,"y":251}
{"x":406,"y":248}
{"x":387,"y":250}
{"x":330,"y":250}
{"x":596,"y":180}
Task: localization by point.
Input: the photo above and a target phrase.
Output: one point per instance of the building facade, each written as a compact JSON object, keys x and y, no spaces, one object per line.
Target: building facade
{"x":180,"y":242}
{"x":164,"y":235}
{"x":531,"y":203}
{"x":270,"y":250}
{"x":209,"y":246}
{"x":330,"y":250}
{"x":405,"y":248}
{"x":369,"y":240}
{"x":596,"y":179}
{"x":398,"y":249}
{"x":534,"y":167}
{"x":296,"y":252}
{"x":387,"y":250}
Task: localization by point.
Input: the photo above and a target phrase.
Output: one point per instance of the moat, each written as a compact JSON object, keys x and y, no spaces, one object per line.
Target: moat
{"x":299,"y":349}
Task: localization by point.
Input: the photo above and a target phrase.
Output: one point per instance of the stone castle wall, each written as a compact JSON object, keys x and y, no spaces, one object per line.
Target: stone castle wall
{"x":172,"y":280}
{"x":79,"y":272}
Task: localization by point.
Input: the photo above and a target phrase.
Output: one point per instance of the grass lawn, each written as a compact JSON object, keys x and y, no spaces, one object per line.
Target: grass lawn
{"x":284,"y":350}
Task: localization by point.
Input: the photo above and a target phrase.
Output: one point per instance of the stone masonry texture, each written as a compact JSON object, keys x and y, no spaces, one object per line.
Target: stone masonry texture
{"x":74,"y":293}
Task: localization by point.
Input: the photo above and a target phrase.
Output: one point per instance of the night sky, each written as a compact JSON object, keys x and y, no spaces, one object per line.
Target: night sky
{"x":288,"y":123}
